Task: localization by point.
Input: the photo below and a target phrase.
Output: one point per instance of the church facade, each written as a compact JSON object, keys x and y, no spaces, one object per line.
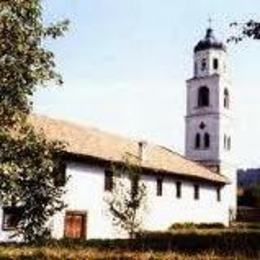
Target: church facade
{"x":179,"y":189}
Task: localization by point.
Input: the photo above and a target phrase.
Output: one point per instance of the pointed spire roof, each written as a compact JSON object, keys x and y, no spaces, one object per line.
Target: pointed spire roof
{"x":209,"y":42}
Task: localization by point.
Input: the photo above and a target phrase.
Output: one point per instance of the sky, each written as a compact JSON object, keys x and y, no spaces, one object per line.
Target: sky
{"x":125,"y":63}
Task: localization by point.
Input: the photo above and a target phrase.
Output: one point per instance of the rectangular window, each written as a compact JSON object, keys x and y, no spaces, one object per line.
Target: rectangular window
{"x":215,"y":64}
{"x":108,"y":180}
{"x":218,"y":194}
{"x":60,"y":174}
{"x":134,"y":186}
{"x":159,"y":187}
{"x":11,"y":218}
{"x":196,"y":192}
{"x":178,"y":189}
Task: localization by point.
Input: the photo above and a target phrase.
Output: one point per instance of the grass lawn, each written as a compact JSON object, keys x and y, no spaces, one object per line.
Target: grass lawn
{"x":241,"y":241}
{"x":80,"y":253}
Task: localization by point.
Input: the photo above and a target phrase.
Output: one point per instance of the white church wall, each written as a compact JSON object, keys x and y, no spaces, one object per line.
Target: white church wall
{"x":85,"y":192}
{"x":165,"y":210}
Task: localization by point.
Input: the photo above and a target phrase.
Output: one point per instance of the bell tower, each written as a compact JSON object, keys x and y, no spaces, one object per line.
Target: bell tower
{"x":209,"y":121}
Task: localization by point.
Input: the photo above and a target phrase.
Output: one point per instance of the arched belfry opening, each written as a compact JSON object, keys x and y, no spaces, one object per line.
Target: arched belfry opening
{"x":203,"y":96}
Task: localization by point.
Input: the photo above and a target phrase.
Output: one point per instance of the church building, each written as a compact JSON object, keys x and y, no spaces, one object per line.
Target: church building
{"x":199,"y":187}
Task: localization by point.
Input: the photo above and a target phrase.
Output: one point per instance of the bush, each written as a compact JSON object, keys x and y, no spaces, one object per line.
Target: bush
{"x":190,"y":225}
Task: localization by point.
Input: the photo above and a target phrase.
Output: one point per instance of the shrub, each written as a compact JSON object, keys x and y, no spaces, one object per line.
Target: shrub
{"x":190,"y":225}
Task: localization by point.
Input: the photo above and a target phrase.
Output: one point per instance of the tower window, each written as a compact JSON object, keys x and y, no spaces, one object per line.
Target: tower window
{"x":202,"y":125}
{"x":195,"y":69}
{"x":203,"y":96}
{"x":203,"y":64}
{"x":196,"y":192}
{"x":197,"y":141}
{"x":229,"y":143}
{"x":206,"y":140}
{"x":226,"y":98}
{"x":215,"y":64}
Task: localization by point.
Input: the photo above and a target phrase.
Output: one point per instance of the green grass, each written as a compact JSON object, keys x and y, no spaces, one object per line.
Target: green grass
{"x":80,"y":253}
{"x":241,"y":241}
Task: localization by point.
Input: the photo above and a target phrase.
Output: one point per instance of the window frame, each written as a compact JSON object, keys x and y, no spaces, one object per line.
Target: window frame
{"x":14,"y":210}
{"x":226,"y":99}
{"x":203,"y":64}
{"x":197,"y":141}
{"x":206,"y":140}
{"x":203,"y":97}
{"x":229,"y":143}
{"x":219,"y":197}
{"x":60,"y":175}
{"x":178,"y":189}
{"x":108,"y":180}
{"x":159,"y":186}
{"x":196,"y":191}
{"x":215,"y":63}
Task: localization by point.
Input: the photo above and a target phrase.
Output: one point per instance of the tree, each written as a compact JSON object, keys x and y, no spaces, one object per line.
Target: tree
{"x":127,"y":198}
{"x":251,"y":196}
{"x":29,"y":163}
{"x":250,"y":29}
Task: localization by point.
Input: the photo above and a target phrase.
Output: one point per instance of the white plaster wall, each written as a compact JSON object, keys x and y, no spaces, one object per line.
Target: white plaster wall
{"x":230,"y":170}
{"x":86,"y":193}
{"x":167,"y":209}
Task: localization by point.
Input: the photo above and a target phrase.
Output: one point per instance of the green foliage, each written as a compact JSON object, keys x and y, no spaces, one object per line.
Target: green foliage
{"x":250,"y":196}
{"x":191,"y":225}
{"x":24,"y":62}
{"x":127,"y":200}
{"x":250,"y":29}
{"x":28,"y":161}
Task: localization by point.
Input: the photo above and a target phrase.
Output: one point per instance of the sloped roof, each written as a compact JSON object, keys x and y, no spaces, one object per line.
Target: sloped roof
{"x":92,"y":142}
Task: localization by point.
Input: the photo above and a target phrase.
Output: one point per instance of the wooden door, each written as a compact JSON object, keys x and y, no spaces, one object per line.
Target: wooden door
{"x":75,"y":224}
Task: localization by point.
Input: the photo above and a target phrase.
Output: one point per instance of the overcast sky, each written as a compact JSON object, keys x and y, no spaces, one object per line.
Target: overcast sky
{"x":125,"y":63}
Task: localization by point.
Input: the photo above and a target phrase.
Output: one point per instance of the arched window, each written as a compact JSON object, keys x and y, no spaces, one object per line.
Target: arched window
{"x":206,"y":140}
{"x":203,"y":96}
{"x":226,"y":98}
{"x":197,"y":141}
{"x":203,"y":64}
